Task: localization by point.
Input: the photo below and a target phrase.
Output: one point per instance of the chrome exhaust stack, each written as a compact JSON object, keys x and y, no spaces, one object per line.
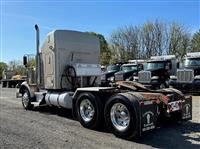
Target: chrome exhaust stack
{"x":38,"y":77}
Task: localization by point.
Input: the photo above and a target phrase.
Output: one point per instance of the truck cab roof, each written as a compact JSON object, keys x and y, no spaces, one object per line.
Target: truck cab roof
{"x":129,"y":64}
{"x":157,"y":61}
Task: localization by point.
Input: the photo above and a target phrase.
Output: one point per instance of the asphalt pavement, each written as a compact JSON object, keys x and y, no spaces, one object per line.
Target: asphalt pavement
{"x":52,"y":128}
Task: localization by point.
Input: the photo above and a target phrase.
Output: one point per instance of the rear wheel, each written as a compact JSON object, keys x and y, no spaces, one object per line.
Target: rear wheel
{"x":121,"y":117}
{"x":89,"y":110}
{"x":26,"y":100}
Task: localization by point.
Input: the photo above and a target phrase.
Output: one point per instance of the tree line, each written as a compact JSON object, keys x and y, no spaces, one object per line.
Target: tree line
{"x":15,"y":67}
{"x":150,"y":39}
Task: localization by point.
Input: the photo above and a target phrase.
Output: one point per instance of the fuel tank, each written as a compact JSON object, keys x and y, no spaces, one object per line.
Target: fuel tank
{"x":59,"y":99}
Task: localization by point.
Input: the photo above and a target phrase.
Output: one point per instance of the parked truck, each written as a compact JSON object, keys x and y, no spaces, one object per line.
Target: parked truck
{"x":128,"y":71}
{"x":188,"y":77}
{"x":12,"y":80}
{"x":108,"y":76}
{"x":158,"y":70}
{"x":68,"y":76}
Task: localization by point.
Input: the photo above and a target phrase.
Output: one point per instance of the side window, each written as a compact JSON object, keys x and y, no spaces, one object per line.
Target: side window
{"x":170,"y":65}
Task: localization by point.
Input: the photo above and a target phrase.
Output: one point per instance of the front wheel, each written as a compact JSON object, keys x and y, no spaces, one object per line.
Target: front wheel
{"x":26,"y":100}
{"x":162,"y":85}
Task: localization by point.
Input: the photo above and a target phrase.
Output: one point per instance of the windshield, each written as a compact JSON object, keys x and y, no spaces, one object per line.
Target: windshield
{"x":192,"y":62}
{"x":129,"y":68}
{"x":155,"y":65}
{"x":113,"y":68}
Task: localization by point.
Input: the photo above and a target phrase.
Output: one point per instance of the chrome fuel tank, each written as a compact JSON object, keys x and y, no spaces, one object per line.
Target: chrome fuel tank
{"x":59,"y":99}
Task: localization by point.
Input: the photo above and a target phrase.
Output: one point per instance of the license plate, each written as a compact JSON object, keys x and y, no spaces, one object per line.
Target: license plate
{"x":173,"y":106}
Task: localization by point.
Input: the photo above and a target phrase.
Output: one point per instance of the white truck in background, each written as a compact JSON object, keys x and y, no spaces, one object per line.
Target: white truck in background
{"x":187,"y":78}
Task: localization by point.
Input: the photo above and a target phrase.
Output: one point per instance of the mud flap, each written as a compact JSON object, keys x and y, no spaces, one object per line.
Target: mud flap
{"x":186,"y":111}
{"x":148,"y":116}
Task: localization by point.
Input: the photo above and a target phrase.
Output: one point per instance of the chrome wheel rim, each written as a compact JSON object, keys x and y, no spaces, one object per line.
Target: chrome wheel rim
{"x":86,"y":110}
{"x":120,"y":116}
{"x":25,"y":99}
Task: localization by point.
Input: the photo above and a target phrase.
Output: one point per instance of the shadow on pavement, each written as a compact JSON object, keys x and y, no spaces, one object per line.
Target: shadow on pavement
{"x":185,"y":135}
{"x":55,"y":111}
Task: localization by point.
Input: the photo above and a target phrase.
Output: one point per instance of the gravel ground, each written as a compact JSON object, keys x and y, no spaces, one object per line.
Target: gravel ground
{"x":55,"y":128}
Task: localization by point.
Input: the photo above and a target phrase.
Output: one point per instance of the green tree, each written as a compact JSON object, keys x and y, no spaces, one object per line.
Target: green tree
{"x":31,"y":62}
{"x":150,"y":39}
{"x":3,"y":67}
{"x":179,"y":40}
{"x":196,"y":42}
{"x":16,"y":67}
{"x":104,"y":51}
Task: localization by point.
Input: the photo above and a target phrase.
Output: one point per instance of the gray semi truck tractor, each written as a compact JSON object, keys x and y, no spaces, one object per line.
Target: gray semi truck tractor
{"x":68,"y":75}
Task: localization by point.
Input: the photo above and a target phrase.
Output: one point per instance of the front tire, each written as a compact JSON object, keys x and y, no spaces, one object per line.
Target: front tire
{"x":26,"y":100}
{"x":89,"y":110}
{"x":162,"y":85}
{"x":121,"y":117}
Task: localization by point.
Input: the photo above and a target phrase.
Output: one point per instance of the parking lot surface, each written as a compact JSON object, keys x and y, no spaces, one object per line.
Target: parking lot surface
{"x":55,"y":128}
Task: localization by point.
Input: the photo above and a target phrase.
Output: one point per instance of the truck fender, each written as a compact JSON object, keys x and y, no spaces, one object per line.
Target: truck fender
{"x":149,"y":112}
{"x":24,"y":86}
{"x":173,"y":90}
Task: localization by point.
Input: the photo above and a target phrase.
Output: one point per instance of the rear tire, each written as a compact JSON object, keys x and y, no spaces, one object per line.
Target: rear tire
{"x":26,"y":100}
{"x":125,"y":124}
{"x":89,"y":110}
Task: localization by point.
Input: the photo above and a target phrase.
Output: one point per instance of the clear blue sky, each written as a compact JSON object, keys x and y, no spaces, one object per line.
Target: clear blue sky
{"x":18,"y":19}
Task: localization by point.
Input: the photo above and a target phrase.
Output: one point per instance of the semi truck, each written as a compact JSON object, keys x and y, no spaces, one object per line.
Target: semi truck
{"x":129,"y":71}
{"x":188,"y":76}
{"x":108,"y":76}
{"x":158,"y":70}
{"x":68,"y":76}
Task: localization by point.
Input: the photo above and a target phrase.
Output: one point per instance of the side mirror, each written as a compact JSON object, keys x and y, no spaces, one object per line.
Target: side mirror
{"x":178,"y":65}
{"x":25,"y":61}
{"x":167,"y":67}
{"x":141,"y":67}
{"x":170,"y":66}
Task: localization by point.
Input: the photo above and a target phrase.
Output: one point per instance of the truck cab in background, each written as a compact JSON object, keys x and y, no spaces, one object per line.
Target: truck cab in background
{"x":129,"y":71}
{"x":188,"y":76}
{"x":108,"y":75}
{"x":158,"y":70}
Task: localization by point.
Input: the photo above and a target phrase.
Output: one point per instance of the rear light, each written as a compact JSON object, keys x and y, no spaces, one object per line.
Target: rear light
{"x":148,"y":102}
{"x":142,"y":103}
{"x":188,"y":97}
